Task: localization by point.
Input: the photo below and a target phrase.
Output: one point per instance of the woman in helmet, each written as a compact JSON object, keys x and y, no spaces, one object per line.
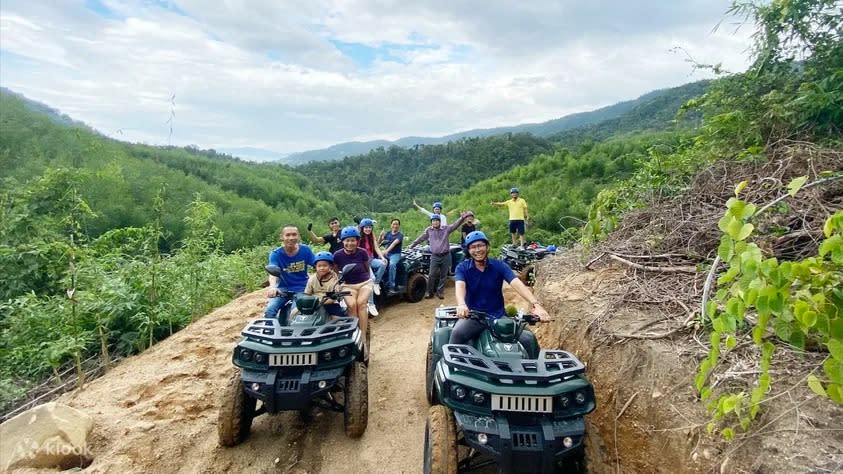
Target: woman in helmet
{"x":357,"y":282}
{"x":479,"y":282}
{"x":377,"y":260}
{"x":323,"y":281}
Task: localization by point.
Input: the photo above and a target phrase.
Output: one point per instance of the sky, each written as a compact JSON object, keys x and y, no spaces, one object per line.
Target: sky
{"x":291,"y":76}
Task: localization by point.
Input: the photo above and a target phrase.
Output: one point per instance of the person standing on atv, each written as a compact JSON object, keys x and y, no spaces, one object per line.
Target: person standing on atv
{"x":332,"y":239}
{"x":518,"y":214}
{"x":440,"y":253}
{"x":479,"y":282}
{"x":392,"y":240}
{"x":359,"y":281}
{"x":437,"y":209}
{"x":293,"y":258}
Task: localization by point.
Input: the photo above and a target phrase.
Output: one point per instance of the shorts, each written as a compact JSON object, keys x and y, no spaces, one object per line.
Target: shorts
{"x":516,"y":227}
{"x":355,"y":288}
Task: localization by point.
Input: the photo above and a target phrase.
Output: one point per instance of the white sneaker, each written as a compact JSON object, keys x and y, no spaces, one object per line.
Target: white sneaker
{"x":372,"y":309}
{"x":377,"y":290}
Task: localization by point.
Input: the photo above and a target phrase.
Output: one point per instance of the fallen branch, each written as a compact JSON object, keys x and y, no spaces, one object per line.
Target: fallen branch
{"x":638,"y":266}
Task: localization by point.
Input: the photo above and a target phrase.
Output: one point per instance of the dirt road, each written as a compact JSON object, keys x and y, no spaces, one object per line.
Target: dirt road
{"x":157,"y":412}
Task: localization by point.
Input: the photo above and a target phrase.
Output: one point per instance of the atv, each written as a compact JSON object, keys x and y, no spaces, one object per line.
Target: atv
{"x":457,"y":256}
{"x":495,"y":403}
{"x":522,"y":259}
{"x":313,"y":360}
{"x":411,"y":280}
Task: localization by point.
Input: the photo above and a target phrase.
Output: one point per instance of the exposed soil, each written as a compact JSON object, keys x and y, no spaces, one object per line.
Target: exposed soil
{"x":157,"y":412}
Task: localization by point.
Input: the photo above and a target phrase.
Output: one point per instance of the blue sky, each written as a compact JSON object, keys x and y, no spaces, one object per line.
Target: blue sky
{"x":292,"y":76}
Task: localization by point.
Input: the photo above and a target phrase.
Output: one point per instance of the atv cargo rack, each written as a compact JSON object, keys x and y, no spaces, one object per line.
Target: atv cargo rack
{"x":270,"y":331}
{"x":552,"y":366}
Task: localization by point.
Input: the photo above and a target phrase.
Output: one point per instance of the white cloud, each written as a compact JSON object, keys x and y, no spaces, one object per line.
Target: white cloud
{"x":290,"y":76}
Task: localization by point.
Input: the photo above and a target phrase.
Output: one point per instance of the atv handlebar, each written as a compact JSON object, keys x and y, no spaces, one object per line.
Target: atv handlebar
{"x":527,"y":318}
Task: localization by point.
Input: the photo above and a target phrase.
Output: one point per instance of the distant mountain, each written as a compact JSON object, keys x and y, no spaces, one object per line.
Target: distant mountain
{"x":258,"y":155}
{"x":544,"y":129}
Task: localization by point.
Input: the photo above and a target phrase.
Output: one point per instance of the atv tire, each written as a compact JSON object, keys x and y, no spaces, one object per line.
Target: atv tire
{"x":440,"y":441}
{"x":416,"y":287}
{"x":430,"y":371}
{"x":356,"y":400}
{"x":237,"y":409}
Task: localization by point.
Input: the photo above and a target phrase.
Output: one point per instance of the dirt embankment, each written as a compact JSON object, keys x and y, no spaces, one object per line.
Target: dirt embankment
{"x":157,"y":412}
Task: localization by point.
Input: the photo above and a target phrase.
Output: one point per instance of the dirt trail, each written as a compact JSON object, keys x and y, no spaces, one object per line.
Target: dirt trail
{"x":157,"y":412}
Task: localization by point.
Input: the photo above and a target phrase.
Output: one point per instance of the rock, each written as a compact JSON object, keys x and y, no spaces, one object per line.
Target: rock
{"x":144,"y":426}
{"x":47,"y":436}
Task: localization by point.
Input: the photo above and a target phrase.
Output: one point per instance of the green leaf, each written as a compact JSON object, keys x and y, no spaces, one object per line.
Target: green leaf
{"x":809,"y":319}
{"x":728,"y":434}
{"x":741,"y":186}
{"x":731,"y":342}
{"x":797,"y":339}
{"x":835,"y":347}
{"x":724,"y":223}
{"x":833,"y":370}
{"x":726,"y":250}
{"x":835,"y":392}
{"x":796,"y":184}
{"x":816,"y":386}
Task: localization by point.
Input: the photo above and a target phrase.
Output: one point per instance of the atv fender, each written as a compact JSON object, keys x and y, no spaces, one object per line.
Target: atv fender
{"x":439,"y":338}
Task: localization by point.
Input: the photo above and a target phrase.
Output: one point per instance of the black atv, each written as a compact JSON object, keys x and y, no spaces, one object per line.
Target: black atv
{"x":522,"y":259}
{"x":314,"y":360}
{"x":457,"y":256}
{"x":494,"y":404}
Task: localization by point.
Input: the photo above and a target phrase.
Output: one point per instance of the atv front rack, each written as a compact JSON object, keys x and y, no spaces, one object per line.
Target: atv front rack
{"x":551,"y":366}
{"x":270,"y":331}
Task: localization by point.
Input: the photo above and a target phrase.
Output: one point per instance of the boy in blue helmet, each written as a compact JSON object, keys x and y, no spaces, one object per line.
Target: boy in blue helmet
{"x":479,"y":281}
{"x":293,"y":257}
{"x":324,"y":280}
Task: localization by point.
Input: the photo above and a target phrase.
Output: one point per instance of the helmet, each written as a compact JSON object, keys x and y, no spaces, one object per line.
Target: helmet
{"x":324,"y":256}
{"x":366,"y":222}
{"x":437,"y":204}
{"x":349,"y":231}
{"x":474,"y":237}
{"x":514,"y":190}
{"x":469,"y":213}
{"x":436,"y":217}
{"x":551,"y":248}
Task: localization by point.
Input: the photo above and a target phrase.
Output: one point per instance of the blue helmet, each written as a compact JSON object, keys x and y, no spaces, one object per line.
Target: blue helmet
{"x":437,"y":204}
{"x":366,"y":222}
{"x":514,"y":190}
{"x":475,"y":236}
{"x":551,"y":248}
{"x":324,"y":257}
{"x":436,"y":217}
{"x":350,"y":231}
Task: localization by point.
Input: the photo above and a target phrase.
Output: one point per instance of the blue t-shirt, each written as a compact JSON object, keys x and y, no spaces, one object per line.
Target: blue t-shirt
{"x":293,"y":269}
{"x":387,"y":241}
{"x":483,"y":290}
{"x":360,"y":272}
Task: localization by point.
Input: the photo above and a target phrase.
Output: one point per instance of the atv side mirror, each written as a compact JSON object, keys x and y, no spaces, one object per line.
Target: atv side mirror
{"x":345,"y":271}
{"x":273,"y":270}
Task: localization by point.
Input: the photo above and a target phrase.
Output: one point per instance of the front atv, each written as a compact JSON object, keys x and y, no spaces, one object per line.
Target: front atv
{"x":495,"y":406}
{"x":316,"y":360}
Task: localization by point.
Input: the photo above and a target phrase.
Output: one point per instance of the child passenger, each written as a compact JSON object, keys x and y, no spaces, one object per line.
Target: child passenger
{"x":322,"y":282}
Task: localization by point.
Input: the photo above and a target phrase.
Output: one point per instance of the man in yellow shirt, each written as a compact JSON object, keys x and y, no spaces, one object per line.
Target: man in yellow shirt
{"x":518,"y":214}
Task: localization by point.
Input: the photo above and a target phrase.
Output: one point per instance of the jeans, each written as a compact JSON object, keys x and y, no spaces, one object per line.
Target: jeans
{"x":377,"y":267}
{"x":467,"y":329}
{"x":278,"y":303}
{"x":393,"y":268}
{"x":439,"y":266}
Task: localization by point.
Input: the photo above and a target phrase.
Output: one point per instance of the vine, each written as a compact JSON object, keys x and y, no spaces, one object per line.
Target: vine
{"x":798,"y":302}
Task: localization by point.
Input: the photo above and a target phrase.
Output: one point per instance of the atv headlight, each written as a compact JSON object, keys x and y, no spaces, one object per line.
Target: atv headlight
{"x":245,"y":354}
{"x":458,"y":392}
{"x":579,"y":397}
{"x":343,"y":352}
{"x":564,"y":401}
{"x":260,"y":357}
{"x":478,"y":398}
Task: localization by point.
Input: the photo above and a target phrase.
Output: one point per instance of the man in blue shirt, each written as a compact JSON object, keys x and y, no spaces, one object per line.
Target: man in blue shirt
{"x":293,"y":258}
{"x":479,"y":281}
